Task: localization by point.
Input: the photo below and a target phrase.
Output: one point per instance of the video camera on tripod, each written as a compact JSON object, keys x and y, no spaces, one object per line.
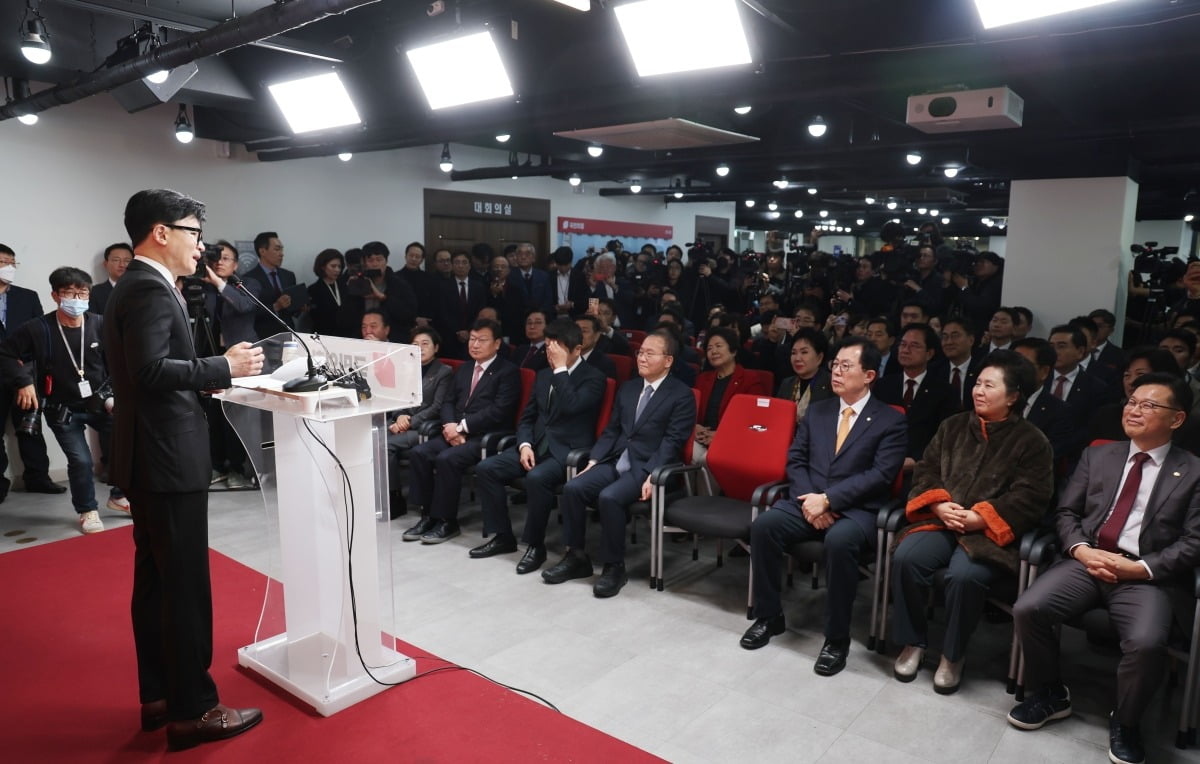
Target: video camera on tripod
{"x":1150,"y":262}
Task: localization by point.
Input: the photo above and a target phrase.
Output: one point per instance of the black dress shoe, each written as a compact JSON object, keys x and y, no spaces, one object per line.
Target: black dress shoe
{"x":442,"y":532}
{"x":761,"y":631}
{"x":44,"y":486}
{"x":532,"y":560}
{"x":833,"y":657}
{"x":423,"y":526}
{"x":498,"y":544}
{"x":1124,"y":743}
{"x":611,"y":580}
{"x":154,"y":715}
{"x":397,"y":504}
{"x":573,"y":565}
{"x":5,"y":484}
{"x":218,"y":724}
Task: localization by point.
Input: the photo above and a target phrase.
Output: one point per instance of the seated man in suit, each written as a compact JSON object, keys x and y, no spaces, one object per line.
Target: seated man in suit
{"x":1106,"y":353}
{"x":841,"y":465}
{"x":531,"y":354}
{"x":651,"y":420}
{"x":117,"y":258}
{"x":611,"y":340}
{"x":1129,"y":524}
{"x":1044,"y":411}
{"x":589,"y":329}
{"x":926,"y":399}
{"x":484,"y":398}
{"x":559,"y":417}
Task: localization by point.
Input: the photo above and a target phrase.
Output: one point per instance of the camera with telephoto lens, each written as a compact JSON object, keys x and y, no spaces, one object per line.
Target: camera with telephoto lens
{"x":30,"y":422}
{"x":358,"y":280}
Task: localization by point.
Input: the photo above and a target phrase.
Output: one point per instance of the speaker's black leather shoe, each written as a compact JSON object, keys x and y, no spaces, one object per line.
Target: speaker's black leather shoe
{"x":574,"y":564}
{"x":498,"y":544}
{"x":761,"y":631}
{"x":533,"y":559}
{"x":833,"y":657}
{"x":611,"y":580}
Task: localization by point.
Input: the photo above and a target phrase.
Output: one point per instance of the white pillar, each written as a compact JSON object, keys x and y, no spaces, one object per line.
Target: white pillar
{"x":1068,"y":248}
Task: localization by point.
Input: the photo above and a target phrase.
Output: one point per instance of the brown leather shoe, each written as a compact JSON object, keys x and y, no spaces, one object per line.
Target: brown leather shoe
{"x":154,"y":715}
{"x":217,"y":724}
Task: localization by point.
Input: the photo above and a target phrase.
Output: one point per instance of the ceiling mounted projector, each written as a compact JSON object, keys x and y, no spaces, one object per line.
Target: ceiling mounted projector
{"x":965,"y":111}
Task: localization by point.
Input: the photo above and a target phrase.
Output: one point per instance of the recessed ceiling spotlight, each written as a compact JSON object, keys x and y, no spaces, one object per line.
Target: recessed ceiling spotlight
{"x":869,"y":200}
{"x":1189,"y":218}
{"x":678,"y":194}
{"x":722,"y":170}
{"x":594,"y":151}
{"x":913,"y":157}
{"x":817,"y":127}
{"x":749,"y":202}
{"x":781,"y":184}
{"x":945,"y":221}
{"x":772,"y":206}
{"x":32,"y":119}
{"x":345,"y":156}
{"x":799,"y":213}
{"x":574,"y":180}
{"x":812,"y":191}
{"x":921,"y":210}
{"x":950,"y":172}
{"x":933,"y":213}
{"x":635,"y":188}
{"x":860,"y":221}
{"x":824,"y":213}
{"x":742,"y":110}
{"x":503,"y":138}
{"x":773,"y":215}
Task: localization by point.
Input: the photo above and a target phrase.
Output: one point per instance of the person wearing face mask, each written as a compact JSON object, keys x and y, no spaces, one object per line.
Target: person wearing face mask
{"x":71,"y":383}
{"x":18,"y":305}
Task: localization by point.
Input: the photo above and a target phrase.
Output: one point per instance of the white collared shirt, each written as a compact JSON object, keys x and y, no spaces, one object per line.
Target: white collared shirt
{"x":161,"y":269}
{"x":1032,"y":400}
{"x":564,"y":286}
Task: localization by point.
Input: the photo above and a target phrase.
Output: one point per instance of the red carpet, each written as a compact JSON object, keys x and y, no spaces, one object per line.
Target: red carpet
{"x":69,"y":679}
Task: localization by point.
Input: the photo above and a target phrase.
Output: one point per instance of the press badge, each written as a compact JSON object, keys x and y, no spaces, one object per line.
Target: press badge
{"x":85,"y":389}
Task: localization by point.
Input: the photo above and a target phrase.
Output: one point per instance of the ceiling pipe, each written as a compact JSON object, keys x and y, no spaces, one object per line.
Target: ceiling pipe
{"x":266,"y":22}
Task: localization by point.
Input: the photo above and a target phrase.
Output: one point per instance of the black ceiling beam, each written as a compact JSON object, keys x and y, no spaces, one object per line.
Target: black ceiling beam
{"x":261,"y":24}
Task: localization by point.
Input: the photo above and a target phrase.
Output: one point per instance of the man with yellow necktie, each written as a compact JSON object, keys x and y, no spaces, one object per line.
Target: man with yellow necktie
{"x":841,"y":465}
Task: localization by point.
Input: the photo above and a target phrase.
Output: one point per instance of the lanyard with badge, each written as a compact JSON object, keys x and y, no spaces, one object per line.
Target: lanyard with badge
{"x":85,"y":387}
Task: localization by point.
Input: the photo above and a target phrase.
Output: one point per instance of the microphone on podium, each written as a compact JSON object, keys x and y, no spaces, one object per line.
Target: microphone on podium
{"x":312,"y":380}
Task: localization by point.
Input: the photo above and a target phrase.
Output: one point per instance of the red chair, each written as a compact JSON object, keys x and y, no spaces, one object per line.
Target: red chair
{"x":453,"y":363}
{"x":624,"y":365}
{"x":767,"y":378}
{"x":634,"y":335}
{"x":752,"y":424}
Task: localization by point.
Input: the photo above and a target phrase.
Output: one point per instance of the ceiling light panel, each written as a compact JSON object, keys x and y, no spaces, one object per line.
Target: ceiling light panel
{"x":656,"y":31}
{"x":463,"y":70}
{"x":996,"y":13}
{"x":315,"y":103}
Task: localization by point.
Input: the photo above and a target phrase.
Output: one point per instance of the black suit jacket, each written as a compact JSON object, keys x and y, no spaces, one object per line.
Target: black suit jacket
{"x":933,"y":402}
{"x":264,"y":326}
{"x":537,"y":362}
{"x":1086,"y":396}
{"x":602,"y":362}
{"x":23,"y":305}
{"x":1170,"y":537}
{"x":539,"y":293}
{"x":160,"y":434}
{"x":565,"y":419}
{"x":658,"y":437}
{"x":614,"y":344}
{"x":858,"y":478}
{"x":452,"y":316}
{"x":494,"y":402}
{"x":100,"y":295}
{"x":1049,"y":415}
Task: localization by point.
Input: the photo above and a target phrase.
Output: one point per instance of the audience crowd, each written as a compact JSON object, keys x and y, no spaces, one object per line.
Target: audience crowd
{"x":903,"y":366}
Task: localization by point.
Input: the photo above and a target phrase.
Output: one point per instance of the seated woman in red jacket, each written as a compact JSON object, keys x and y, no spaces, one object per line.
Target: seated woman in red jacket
{"x":718,"y":386}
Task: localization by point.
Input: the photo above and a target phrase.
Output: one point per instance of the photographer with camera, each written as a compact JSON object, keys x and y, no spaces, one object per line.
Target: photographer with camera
{"x":71,"y":385}
{"x":374,"y":286}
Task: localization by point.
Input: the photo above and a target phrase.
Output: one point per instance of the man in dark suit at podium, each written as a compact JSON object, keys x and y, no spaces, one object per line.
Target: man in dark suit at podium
{"x":160,"y":458}
{"x":18,"y":305}
{"x":559,"y":417}
{"x":651,"y":420}
{"x":486,"y":395}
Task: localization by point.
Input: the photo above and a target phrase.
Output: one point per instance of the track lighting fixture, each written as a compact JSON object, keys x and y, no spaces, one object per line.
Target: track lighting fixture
{"x":345,"y":156}
{"x":595,"y":150}
{"x":635,"y":188}
{"x":749,"y":202}
{"x":950,"y":172}
{"x":447,"y":164}
{"x":574,"y":180}
{"x":817,"y":127}
{"x":35,"y":40}
{"x":913,"y":158}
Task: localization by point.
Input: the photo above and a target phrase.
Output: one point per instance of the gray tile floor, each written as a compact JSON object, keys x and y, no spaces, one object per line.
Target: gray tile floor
{"x":664,"y":670}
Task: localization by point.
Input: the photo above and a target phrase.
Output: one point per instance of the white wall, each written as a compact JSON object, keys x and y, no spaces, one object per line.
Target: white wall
{"x":1168,"y":233}
{"x":68,"y":177}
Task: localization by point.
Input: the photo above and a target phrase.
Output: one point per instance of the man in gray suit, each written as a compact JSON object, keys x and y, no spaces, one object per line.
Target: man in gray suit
{"x":1129,"y":522}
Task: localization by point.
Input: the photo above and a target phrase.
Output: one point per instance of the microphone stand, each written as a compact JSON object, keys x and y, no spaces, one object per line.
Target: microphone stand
{"x":310,"y":382}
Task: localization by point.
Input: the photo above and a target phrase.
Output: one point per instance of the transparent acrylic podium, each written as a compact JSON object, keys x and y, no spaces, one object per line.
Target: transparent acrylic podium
{"x":321,"y":461}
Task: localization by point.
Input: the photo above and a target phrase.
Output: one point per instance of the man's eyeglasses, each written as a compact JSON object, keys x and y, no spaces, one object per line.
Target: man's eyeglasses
{"x":648,"y":354}
{"x":1147,"y":407}
{"x":75,"y":294}
{"x":191,"y":229}
{"x":842,"y":366}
